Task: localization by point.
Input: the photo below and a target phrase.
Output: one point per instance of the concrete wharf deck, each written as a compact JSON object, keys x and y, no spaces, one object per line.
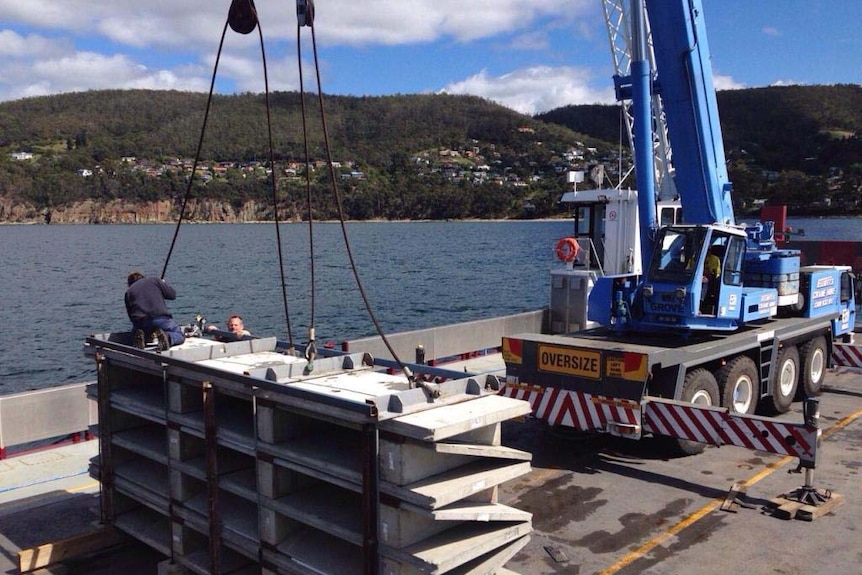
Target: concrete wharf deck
{"x":599,"y":505}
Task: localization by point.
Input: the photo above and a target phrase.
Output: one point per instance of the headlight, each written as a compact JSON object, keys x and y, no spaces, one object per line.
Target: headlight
{"x":648,"y":290}
{"x":681,"y":293}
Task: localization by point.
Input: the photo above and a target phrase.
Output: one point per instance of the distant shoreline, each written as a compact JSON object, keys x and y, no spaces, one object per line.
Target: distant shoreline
{"x":378,"y":221}
{"x":290,"y":222}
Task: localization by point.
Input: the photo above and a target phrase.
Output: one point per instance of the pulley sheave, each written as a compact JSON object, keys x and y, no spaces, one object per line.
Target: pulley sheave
{"x":305,"y":12}
{"x":242,"y":16}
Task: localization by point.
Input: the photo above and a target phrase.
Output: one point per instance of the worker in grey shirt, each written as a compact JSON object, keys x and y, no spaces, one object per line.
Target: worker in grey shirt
{"x":145,"y":304}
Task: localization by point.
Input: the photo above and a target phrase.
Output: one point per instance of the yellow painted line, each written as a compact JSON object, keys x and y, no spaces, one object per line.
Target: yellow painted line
{"x":83,"y":487}
{"x":661,"y":538}
{"x":843,"y":423}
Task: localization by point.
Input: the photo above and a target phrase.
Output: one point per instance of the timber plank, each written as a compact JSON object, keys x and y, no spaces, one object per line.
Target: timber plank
{"x":730,"y":502}
{"x":785,"y":508}
{"x":49,"y":553}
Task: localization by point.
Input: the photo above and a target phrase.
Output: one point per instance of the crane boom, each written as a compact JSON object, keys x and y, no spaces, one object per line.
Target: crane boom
{"x":709,"y":274}
{"x":685,"y":83}
{"x":617,"y":21}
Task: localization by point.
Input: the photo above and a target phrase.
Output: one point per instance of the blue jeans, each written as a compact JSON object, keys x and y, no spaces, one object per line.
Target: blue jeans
{"x":166,"y":324}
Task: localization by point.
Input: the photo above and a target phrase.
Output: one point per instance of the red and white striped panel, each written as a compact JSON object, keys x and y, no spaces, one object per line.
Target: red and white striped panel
{"x":582,"y":411}
{"x":847,"y":355}
{"x":532,"y":394}
{"x":719,"y":427}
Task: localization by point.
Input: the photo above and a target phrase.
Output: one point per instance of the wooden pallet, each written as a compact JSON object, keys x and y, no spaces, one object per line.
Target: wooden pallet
{"x":785,"y":507}
{"x":33,"y":559}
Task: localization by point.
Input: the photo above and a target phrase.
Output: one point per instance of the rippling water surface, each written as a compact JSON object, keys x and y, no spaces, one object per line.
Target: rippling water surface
{"x":61,"y":283}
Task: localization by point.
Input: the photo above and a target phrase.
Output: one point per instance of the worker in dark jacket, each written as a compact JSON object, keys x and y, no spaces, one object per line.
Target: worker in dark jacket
{"x":145,"y":304}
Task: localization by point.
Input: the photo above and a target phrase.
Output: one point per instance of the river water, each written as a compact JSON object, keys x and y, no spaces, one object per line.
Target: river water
{"x":61,"y":283}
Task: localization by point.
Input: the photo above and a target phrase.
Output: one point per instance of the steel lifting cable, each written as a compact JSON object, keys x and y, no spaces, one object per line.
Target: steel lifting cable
{"x":305,"y":17}
{"x":305,"y":14}
{"x":272,"y":179}
{"x":242,"y":19}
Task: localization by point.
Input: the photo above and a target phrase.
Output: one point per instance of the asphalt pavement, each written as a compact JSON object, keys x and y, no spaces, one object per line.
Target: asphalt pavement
{"x":600,"y":505}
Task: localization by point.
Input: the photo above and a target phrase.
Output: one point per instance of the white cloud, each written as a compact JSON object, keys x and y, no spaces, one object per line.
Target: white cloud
{"x":14,"y":45}
{"x":770,"y":31}
{"x":787,"y":83}
{"x":48,"y":14}
{"x":533,"y":40}
{"x":83,"y":71}
{"x":247,"y":73}
{"x":50,"y":46}
{"x":535,"y":90}
{"x":173,"y":22}
{"x":411,"y":21}
{"x":153,"y":23}
{"x":726,"y":83}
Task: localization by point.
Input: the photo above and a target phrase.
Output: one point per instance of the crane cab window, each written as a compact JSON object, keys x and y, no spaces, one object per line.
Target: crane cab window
{"x":733,"y":257}
{"x":846,"y":287}
{"x":669,"y":215}
{"x":677,"y":255}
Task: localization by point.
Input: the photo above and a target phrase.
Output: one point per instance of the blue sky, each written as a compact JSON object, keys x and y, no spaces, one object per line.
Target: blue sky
{"x":531,"y":56}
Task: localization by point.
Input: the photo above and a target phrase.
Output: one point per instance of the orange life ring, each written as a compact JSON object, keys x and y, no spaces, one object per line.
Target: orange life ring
{"x":568,"y":249}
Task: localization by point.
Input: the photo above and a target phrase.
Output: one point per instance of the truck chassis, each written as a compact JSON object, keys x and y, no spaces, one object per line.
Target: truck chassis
{"x":699,"y":390}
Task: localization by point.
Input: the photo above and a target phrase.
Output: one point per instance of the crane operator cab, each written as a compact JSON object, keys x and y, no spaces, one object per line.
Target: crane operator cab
{"x":694,"y":281}
{"x":703,"y":265}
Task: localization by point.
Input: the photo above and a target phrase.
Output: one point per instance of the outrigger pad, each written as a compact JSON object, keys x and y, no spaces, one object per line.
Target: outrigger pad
{"x":805,"y":503}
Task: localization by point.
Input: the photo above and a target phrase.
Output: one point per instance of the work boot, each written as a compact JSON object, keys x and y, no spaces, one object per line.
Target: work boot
{"x":140,"y":339}
{"x":163,"y":339}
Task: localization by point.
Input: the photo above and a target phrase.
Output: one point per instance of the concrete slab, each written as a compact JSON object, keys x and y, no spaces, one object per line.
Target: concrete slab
{"x":451,"y":420}
{"x":457,"y":484}
{"x":452,"y":548}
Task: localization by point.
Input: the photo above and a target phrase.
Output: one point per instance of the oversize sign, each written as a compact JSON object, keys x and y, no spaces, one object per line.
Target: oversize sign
{"x":569,"y":361}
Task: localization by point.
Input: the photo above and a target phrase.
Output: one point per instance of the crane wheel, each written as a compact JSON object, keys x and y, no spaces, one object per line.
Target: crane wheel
{"x":813,"y":358}
{"x":699,"y":388}
{"x":786,"y":382}
{"x":739,"y":383}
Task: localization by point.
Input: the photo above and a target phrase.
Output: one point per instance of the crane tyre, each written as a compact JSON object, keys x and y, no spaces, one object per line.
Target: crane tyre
{"x":813,"y":358}
{"x":739,"y":383}
{"x":699,"y":388}
{"x":786,"y":382}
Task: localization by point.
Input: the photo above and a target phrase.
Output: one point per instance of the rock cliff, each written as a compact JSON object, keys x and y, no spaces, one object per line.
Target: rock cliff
{"x":125,"y":212}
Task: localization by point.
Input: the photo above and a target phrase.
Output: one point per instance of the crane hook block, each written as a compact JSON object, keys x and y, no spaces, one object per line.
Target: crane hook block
{"x":305,"y":13}
{"x":242,"y":16}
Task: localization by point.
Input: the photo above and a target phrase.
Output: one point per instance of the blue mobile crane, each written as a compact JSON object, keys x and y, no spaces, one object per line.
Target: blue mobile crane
{"x":721,"y":322}
{"x":710,"y":274}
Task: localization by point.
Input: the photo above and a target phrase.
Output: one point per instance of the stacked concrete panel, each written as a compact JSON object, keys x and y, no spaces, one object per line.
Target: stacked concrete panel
{"x":243,"y":457}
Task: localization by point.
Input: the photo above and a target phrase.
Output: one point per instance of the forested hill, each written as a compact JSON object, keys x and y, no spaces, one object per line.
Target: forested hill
{"x":112,"y":155}
{"x":779,"y":127}
{"x":417,"y":156}
{"x":799,"y":145}
{"x":144,"y":123}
